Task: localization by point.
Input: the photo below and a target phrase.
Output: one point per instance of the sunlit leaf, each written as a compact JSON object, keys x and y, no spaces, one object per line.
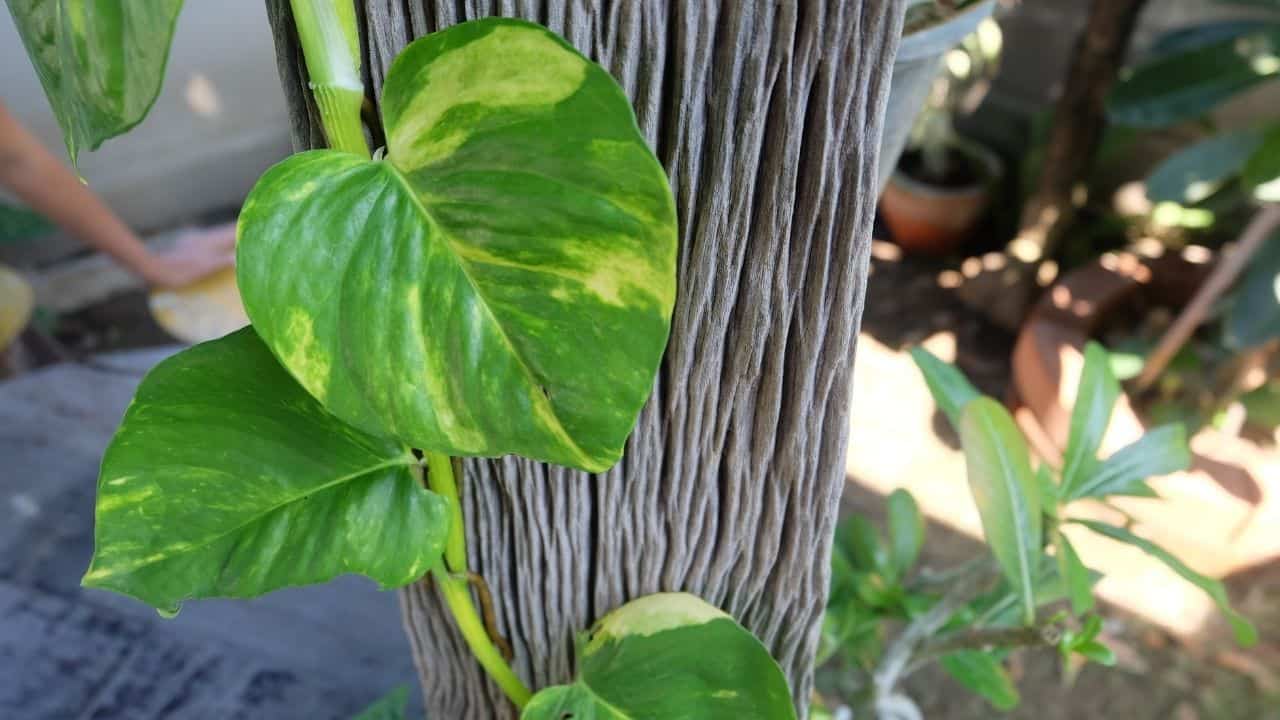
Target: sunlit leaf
{"x":1262,"y":172}
{"x":502,"y":282}
{"x":1096,"y":396}
{"x":669,"y":655}
{"x":1159,"y":451}
{"x":1244,"y":630}
{"x":1185,"y":85}
{"x":1006,"y":493}
{"x":951,"y":390}
{"x":1198,"y":171}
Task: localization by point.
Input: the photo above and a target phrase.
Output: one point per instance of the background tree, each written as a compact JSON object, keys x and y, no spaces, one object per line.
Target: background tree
{"x":767,"y":117}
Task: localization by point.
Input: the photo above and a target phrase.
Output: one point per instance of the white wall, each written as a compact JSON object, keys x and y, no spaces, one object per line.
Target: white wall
{"x":179,"y":162}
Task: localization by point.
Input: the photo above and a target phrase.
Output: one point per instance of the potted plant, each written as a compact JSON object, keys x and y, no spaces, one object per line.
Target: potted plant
{"x":929,"y":30}
{"x":940,"y":186}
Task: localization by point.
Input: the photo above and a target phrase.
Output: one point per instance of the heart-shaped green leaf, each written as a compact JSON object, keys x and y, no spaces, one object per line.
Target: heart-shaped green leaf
{"x":101,"y":62}
{"x":502,"y":282}
{"x":669,"y":655}
{"x":226,"y":479}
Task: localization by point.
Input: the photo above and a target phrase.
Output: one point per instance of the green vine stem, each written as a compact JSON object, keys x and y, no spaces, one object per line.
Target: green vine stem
{"x":452,"y":579}
{"x":331,"y":47}
{"x":327,"y":31}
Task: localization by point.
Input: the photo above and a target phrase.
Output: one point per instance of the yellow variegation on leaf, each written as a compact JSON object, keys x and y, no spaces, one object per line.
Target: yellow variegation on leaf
{"x":501,"y":282}
{"x":671,"y":656}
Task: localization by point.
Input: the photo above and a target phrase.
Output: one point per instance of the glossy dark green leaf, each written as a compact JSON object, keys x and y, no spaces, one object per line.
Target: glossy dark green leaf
{"x":983,"y":674}
{"x":1096,"y":396}
{"x":951,"y":390}
{"x":669,"y":656}
{"x":1253,"y":314}
{"x":1194,"y":173}
{"x":1006,"y":493}
{"x":1244,"y":630}
{"x":389,"y":707}
{"x":1160,"y":451}
{"x":1074,"y":574}
{"x":1180,"y":86}
{"x":502,"y":282}
{"x":101,"y":62}
{"x":1262,"y":172}
{"x":906,"y":531}
{"x":226,"y":479}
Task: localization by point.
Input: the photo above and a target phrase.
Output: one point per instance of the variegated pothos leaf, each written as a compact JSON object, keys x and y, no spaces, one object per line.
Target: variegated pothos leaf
{"x":101,"y":63}
{"x":502,"y":282}
{"x":226,"y":479}
{"x":670,"y":656}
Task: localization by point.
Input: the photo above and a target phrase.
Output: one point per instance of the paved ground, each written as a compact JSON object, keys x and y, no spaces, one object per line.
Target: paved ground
{"x":68,"y":653}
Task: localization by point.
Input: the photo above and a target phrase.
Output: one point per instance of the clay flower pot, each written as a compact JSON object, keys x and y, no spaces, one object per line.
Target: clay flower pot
{"x":936,"y":219}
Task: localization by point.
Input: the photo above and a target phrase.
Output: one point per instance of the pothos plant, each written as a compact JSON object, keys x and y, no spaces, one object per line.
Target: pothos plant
{"x":1032,"y":589}
{"x":499,"y":279}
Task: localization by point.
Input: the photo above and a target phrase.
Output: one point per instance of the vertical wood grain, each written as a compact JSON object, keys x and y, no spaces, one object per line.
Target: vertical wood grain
{"x":767,"y":117}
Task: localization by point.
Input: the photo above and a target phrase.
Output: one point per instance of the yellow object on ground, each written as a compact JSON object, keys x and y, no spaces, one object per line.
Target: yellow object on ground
{"x":16,"y":302}
{"x":204,"y":310}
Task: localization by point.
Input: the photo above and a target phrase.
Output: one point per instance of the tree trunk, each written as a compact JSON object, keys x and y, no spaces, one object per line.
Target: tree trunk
{"x":1078,"y":122}
{"x":767,"y":117}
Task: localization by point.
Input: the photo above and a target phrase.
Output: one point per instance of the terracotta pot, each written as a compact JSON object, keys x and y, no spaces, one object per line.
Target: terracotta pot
{"x":933,"y":220}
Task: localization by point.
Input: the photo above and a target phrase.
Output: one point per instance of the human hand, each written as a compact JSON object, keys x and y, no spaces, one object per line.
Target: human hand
{"x":197,"y":253}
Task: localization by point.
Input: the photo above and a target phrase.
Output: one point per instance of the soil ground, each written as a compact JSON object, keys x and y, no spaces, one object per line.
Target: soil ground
{"x":1159,"y":676}
{"x":86,"y":654}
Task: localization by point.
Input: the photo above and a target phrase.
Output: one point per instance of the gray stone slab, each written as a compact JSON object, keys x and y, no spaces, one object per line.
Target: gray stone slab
{"x":66,"y":652}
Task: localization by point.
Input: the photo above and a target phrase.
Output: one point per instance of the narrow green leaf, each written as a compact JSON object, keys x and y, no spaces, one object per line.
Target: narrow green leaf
{"x":101,"y":63}
{"x":502,"y":282}
{"x":1253,"y":314}
{"x":1182,"y":86}
{"x":1192,"y":174}
{"x":668,"y":655}
{"x":906,"y":531}
{"x":1074,"y":574}
{"x":226,"y":479}
{"x":1048,"y":490}
{"x":951,"y":390}
{"x":983,"y":674}
{"x":1262,"y":172}
{"x":1096,"y":396}
{"x":1158,"y":452}
{"x":1006,"y":493}
{"x":390,"y":707}
{"x":1244,"y":630}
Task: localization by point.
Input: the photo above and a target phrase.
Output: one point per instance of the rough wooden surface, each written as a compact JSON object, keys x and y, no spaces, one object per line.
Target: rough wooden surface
{"x":767,"y":118}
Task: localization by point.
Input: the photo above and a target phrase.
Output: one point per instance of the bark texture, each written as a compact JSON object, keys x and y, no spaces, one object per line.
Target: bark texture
{"x":1079,"y":120}
{"x":767,"y":116}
